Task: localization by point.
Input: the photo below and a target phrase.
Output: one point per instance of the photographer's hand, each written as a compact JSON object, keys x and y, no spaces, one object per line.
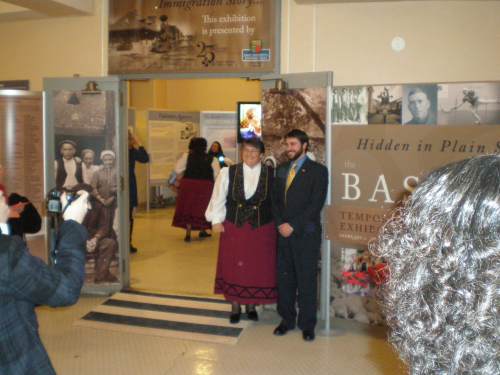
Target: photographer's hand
{"x":78,"y":209}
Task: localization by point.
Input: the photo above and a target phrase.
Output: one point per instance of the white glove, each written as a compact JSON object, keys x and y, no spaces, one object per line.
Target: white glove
{"x":4,"y":209}
{"x":78,"y":209}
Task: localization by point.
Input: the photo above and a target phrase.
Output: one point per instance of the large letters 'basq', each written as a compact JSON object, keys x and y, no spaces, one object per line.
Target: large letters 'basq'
{"x":352,"y":192}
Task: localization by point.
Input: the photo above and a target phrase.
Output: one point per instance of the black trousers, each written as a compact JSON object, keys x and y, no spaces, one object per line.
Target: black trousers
{"x":298,"y":279}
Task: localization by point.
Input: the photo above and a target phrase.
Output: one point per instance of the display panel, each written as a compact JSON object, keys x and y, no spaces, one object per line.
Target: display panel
{"x":249,"y":120}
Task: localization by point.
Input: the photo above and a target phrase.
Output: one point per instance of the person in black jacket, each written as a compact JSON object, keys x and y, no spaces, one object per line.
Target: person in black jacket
{"x":136,"y":152}
{"x":23,"y":216}
{"x":299,"y":194}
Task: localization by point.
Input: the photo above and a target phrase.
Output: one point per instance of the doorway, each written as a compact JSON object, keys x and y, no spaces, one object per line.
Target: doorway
{"x":165,"y":263}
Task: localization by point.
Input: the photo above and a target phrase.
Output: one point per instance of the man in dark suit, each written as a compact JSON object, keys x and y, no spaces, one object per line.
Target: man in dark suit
{"x":299,"y":194}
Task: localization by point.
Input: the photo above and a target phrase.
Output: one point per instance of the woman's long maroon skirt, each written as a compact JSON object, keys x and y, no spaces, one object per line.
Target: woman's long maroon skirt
{"x":192,"y":202}
{"x":246,"y":267}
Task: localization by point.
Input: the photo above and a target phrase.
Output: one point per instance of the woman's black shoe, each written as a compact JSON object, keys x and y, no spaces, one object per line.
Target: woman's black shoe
{"x":187,"y":238}
{"x":235,"y":317}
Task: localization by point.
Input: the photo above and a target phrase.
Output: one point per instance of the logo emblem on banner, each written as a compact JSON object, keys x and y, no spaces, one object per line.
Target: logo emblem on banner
{"x":256,"y":52}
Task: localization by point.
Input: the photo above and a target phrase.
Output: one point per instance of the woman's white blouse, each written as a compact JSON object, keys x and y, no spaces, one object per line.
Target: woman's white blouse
{"x":216,"y":210}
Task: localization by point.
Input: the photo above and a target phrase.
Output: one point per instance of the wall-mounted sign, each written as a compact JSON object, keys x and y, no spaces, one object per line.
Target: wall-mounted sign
{"x":15,"y":85}
{"x":171,"y":36}
{"x":373,"y":167}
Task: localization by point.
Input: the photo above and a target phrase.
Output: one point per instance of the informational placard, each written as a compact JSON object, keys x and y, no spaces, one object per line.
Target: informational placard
{"x":169,"y":136}
{"x":220,"y":127}
{"x":168,"y":36}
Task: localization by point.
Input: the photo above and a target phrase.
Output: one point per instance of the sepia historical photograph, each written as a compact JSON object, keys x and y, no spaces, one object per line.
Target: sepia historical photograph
{"x":384,"y":104}
{"x":285,"y":110}
{"x":420,"y":104}
{"x":469,"y":103}
{"x":85,"y":159}
{"x":350,"y":105}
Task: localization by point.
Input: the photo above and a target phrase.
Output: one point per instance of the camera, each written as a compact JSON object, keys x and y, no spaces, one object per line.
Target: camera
{"x":221,"y":158}
{"x":54,"y":205}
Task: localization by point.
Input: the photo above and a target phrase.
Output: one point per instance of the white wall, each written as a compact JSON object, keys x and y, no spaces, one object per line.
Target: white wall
{"x":54,"y":47}
{"x":445,"y":41}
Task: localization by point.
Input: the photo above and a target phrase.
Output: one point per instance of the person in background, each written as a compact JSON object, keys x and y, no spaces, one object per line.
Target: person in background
{"x":240,"y":209}
{"x":136,"y":153}
{"x":23,"y":215}
{"x":442,"y":249}
{"x":68,"y":168}
{"x":99,"y":222}
{"x":27,"y":281}
{"x":299,"y":194}
{"x":88,"y":166}
{"x":216,"y":152}
{"x":199,"y":171}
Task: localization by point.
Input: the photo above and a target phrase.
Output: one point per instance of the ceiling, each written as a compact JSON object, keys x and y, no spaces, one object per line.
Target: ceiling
{"x":15,"y":10}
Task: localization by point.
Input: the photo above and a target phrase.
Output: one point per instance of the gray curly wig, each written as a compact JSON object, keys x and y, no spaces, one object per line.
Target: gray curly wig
{"x":443,"y":252}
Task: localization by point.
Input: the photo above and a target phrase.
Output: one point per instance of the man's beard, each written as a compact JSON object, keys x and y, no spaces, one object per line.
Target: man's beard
{"x":295,"y":155}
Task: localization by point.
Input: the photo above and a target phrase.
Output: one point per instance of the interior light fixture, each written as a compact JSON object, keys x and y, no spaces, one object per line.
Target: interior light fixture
{"x":73,"y":99}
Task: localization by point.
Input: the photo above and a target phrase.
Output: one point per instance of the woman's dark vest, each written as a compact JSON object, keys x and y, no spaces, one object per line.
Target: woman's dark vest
{"x":199,"y":167}
{"x":257,"y":210}
{"x":61,"y":173}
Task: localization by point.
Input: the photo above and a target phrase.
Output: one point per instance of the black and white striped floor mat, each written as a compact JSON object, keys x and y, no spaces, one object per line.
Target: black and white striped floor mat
{"x":182,"y":317}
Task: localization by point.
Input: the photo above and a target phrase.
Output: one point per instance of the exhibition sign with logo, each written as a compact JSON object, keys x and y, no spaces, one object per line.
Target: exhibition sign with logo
{"x":192,"y":36}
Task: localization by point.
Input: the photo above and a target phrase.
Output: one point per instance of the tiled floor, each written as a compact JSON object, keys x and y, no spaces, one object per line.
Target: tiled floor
{"x":166,"y":264}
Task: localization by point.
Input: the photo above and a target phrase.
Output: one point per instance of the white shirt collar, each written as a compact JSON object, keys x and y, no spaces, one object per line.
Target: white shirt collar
{"x":254,"y":169}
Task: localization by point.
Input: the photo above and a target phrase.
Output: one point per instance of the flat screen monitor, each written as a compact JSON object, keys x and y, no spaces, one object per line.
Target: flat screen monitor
{"x":249,"y":120}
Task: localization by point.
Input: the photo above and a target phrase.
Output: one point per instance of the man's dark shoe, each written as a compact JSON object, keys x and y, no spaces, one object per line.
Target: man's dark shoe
{"x":133,"y":249}
{"x":308,"y":335}
{"x":252,"y":315}
{"x":282,"y":329}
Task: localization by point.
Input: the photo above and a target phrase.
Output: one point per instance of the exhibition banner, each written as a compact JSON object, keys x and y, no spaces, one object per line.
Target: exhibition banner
{"x":86,"y":159}
{"x":374,"y":167}
{"x":169,"y":136}
{"x":385,"y":139}
{"x":174,"y":36}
